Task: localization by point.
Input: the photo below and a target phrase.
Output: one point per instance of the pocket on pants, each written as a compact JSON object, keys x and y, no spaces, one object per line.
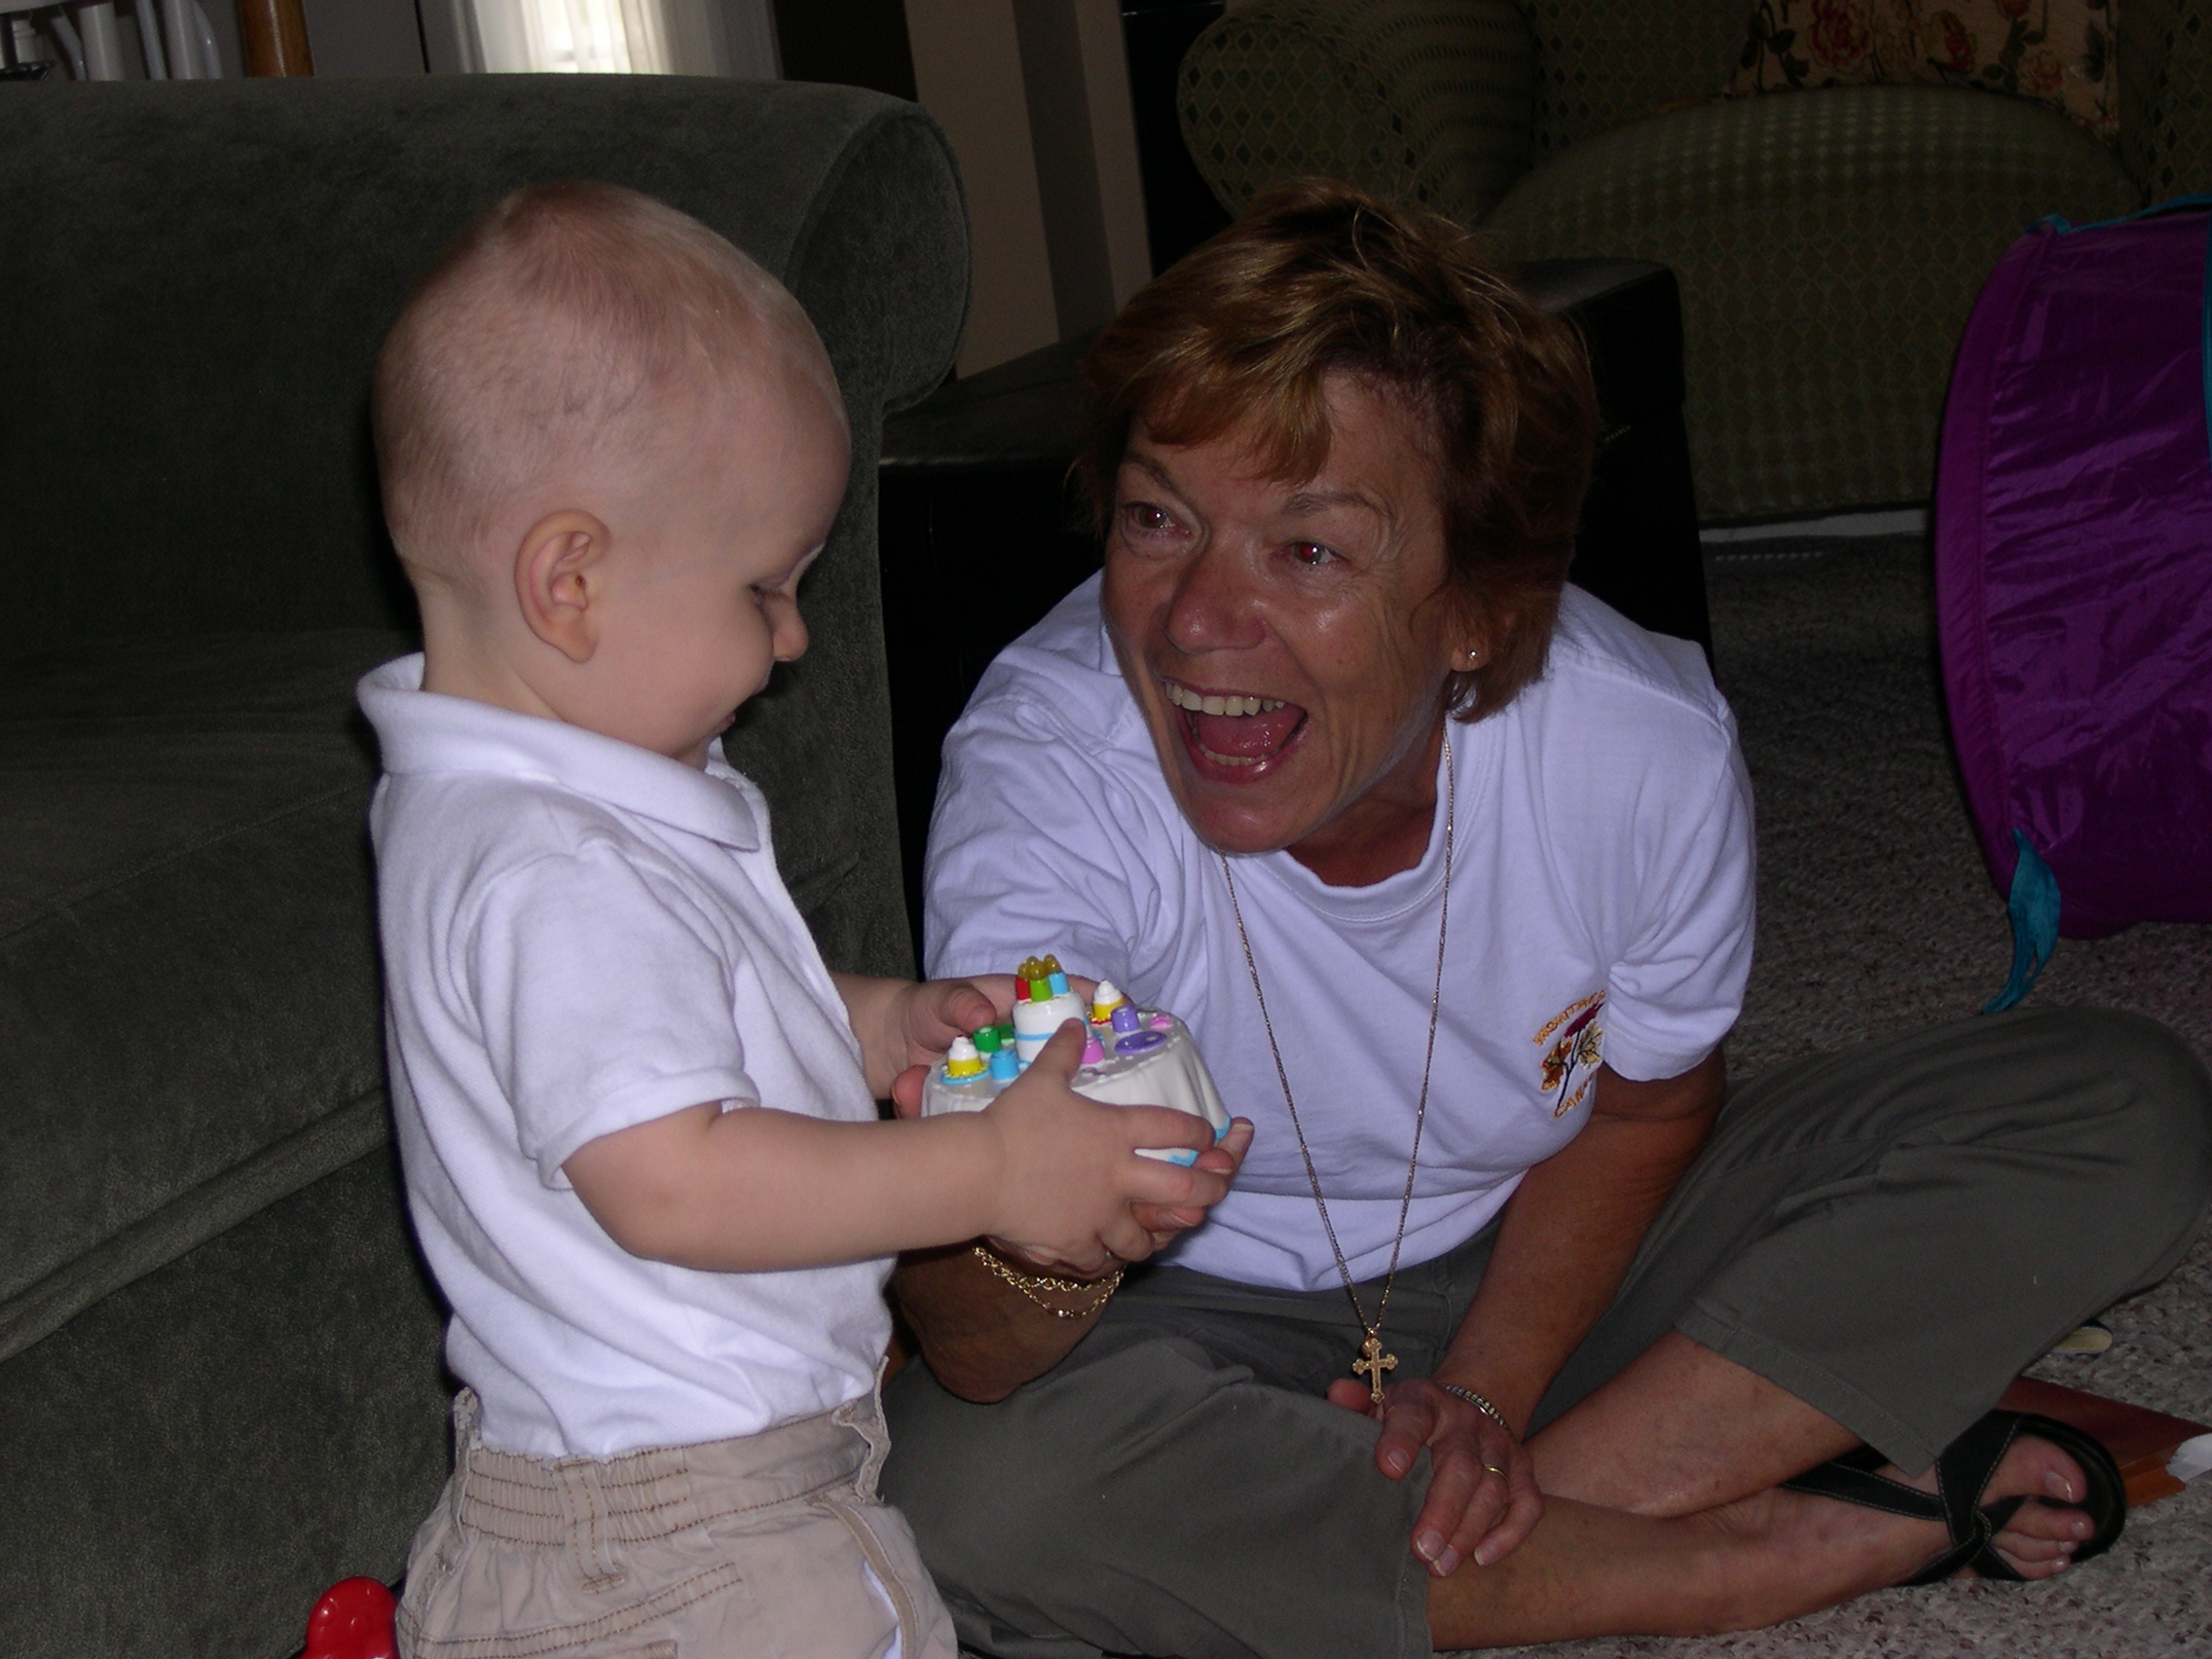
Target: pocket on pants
{"x":811,"y":1561}
{"x":887,"y":1544}
{"x":504,"y":1601}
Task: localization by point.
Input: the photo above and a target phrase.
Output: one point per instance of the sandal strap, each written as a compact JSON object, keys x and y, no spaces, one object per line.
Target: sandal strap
{"x":1842,"y":1480}
{"x":1964,"y":1471}
{"x":1973,"y":1551}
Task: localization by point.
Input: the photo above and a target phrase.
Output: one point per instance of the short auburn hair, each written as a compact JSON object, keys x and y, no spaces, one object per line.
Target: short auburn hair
{"x":1319,"y":278}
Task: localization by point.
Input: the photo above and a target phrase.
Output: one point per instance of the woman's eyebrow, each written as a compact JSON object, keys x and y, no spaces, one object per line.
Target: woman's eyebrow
{"x":1320,"y":501}
{"x":1146,"y":463}
{"x":1305,"y":503}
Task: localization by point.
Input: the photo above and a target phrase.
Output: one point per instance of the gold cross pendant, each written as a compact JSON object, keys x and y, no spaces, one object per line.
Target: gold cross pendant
{"x":1371,"y":1364}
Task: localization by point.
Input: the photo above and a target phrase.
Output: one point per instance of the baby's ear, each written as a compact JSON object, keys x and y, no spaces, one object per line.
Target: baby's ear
{"x":560,"y":568}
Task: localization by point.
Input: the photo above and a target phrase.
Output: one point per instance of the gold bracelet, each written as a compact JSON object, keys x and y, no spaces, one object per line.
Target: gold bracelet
{"x":1029,"y":1284}
{"x":1479,"y":1403}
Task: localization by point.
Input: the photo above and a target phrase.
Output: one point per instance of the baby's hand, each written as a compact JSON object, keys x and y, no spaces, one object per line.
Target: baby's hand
{"x":903,"y":1026}
{"x":928,"y":1015}
{"x":1070,"y":1171}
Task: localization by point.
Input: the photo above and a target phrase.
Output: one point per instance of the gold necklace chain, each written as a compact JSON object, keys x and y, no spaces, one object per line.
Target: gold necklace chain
{"x":1372,"y":1362}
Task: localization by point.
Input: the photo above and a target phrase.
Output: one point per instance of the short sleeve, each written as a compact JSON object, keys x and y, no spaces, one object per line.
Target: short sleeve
{"x":1038,"y":843}
{"x":605,"y":1000}
{"x":1677,"y":989}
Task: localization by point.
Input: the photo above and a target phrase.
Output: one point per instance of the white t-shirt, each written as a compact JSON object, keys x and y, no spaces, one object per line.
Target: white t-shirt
{"x":580,"y":936}
{"x":1602,"y":893}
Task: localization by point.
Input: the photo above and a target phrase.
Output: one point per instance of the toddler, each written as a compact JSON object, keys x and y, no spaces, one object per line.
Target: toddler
{"x":635,"y":1108}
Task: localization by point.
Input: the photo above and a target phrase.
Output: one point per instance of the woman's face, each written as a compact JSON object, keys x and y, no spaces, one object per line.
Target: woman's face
{"x":1289,"y":640}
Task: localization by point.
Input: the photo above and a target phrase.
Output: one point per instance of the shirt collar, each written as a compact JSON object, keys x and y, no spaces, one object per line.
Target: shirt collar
{"x":423,"y":733}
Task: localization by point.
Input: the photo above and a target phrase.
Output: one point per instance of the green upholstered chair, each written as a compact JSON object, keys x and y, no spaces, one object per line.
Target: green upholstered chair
{"x":1830,"y":244}
{"x":220,"y":1384}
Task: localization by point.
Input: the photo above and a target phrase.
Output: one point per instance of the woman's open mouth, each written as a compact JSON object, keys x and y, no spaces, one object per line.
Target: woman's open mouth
{"x":1232,"y":733}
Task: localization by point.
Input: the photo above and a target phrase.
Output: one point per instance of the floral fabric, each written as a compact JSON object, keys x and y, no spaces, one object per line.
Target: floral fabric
{"x":2057,"y":52}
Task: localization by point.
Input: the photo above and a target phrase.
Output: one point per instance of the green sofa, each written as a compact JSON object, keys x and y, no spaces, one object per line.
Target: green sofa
{"x":1830,"y":244}
{"x":220,"y":1384}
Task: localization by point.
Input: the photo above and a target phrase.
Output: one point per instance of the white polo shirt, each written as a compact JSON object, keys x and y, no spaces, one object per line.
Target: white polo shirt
{"x":1601,"y":908}
{"x":580,"y":936}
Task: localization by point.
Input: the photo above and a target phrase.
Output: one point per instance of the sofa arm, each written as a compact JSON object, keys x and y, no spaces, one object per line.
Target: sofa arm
{"x":2165,"y":96}
{"x":1427,"y":102}
{"x":205,"y":268}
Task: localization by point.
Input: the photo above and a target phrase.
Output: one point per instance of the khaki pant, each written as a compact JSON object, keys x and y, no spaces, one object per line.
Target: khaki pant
{"x":758,"y":1548}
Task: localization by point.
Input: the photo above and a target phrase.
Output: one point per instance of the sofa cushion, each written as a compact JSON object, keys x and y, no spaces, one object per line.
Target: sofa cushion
{"x":1830,"y":247}
{"x":189,"y":994}
{"x":188,"y":982}
{"x":195,"y":1458}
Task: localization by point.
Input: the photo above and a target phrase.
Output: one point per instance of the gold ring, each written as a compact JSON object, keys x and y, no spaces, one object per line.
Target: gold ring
{"x":1495,"y":1470}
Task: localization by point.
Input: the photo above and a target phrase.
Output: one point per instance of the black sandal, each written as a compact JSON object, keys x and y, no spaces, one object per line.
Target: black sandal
{"x":1961,"y":1473}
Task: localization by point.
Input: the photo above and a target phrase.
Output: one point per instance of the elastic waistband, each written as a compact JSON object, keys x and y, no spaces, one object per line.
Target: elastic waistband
{"x":663,"y":1489}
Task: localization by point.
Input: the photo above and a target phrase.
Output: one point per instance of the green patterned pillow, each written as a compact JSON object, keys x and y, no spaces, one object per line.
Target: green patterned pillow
{"x":1829,"y":247}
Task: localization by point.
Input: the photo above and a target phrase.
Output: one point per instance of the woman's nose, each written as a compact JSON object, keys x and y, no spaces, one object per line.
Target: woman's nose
{"x":1212,"y":607}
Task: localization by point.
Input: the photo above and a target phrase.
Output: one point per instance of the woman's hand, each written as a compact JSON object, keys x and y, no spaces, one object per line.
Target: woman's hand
{"x":1483,"y":1499}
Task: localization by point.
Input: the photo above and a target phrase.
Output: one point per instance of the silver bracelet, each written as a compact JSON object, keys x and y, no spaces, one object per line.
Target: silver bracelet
{"x":1479,"y":1403}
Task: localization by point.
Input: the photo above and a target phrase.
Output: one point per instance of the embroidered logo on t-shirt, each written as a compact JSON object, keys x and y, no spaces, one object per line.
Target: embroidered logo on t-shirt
{"x":1576,"y":1039}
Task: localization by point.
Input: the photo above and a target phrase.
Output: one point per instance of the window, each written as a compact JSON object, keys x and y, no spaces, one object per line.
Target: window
{"x":602,"y":37}
{"x":597,"y":37}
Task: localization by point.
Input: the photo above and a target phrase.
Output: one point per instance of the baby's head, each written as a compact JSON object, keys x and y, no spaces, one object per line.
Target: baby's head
{"x":611,"y":446}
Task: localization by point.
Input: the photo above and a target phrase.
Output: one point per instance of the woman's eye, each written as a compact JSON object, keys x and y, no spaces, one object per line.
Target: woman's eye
{"x":1145,"y":519}
{"x":1310,"y":554}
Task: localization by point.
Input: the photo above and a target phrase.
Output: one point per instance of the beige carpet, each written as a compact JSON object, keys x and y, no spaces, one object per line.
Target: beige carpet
{"x":1877,"y":914}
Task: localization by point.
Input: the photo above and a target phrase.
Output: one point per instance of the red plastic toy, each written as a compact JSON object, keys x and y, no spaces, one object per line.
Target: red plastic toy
{"x":353,"y":1621}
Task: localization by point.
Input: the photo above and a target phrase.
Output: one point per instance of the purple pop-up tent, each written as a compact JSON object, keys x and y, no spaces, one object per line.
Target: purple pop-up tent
{"x":2073,"y":576}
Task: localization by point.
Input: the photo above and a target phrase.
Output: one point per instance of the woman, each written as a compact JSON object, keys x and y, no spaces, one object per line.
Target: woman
{"x":1451,"y":873}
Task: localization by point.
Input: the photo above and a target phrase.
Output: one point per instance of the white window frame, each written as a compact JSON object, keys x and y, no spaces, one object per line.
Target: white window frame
{"x":685,"y":37}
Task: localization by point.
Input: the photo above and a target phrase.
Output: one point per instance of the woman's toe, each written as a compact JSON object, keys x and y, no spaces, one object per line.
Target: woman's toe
{"x":2020,"y":1549}
{"x":2040,"y":1470}
{"x":2032,"y":1568}
{"x":2032,"y":1469}
{"x":2047,"y":1523}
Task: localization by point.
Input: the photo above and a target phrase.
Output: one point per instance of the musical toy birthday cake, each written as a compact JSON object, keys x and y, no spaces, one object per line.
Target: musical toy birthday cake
{"x":1131,"y":1056}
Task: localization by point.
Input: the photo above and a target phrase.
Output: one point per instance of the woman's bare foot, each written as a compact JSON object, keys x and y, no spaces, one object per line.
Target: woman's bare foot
{"x":2041,"y":1537}
{"x":1870,"y":1548}
{"x":1776,"y":1555}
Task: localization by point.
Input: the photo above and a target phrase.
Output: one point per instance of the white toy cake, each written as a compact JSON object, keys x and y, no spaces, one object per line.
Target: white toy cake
{"x":1132,"y":1057}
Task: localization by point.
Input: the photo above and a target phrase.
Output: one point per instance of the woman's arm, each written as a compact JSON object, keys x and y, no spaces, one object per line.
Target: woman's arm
{"x":1570,"y":1231}
{"x":980,"y":1337}
{"x":1565,"y":1243}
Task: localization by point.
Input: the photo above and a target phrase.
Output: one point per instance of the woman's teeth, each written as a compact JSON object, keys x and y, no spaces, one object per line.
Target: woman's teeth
{"x":1183,"y":697}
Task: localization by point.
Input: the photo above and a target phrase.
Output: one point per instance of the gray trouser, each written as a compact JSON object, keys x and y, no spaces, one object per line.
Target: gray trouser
{"x":1889,"y":1235}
